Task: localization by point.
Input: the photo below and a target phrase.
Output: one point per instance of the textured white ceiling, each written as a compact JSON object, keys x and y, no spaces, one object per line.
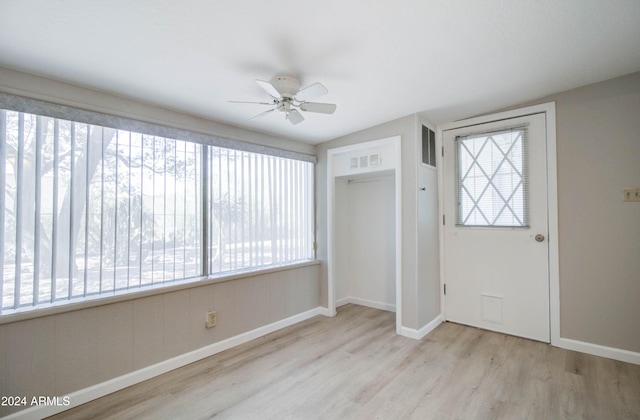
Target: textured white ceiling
{"x":379,"y":59}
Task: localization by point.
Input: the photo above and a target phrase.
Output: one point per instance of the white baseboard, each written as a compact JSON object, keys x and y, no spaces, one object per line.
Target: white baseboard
{"x":598,"y":350}
{"x":365,"y":302}
{"x":342,"y":302}
{"x":104,"y":388}
{"x":325,"y":312}
{"x":422,"y":332}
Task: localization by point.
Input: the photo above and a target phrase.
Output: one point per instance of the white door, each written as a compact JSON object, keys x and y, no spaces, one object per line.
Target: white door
{"x":496,"y":226}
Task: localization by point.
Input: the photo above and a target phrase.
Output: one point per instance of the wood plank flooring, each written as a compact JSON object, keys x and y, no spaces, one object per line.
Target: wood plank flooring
{"x":354,"y":366}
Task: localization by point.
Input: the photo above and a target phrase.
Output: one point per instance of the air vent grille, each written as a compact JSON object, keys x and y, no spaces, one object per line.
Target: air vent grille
{"x":428,"y":147}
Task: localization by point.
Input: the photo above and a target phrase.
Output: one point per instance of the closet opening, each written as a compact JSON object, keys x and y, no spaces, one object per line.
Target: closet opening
{"x":365,"y":240}
{"x":364,"y":226}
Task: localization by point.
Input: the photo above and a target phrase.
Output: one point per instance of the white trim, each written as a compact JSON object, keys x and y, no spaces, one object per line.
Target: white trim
{"x":552,"y":214}
{"x":515,"y":113}
{"x":361,"y":146}
{"x":366,"y":302}
{"x":422,"y":332}
{"x":398,"y":146}
{"x":331,"y":292}
{"x":598,"y":350}
{"x":440,"y":169}
{"x":343,"y":301}
{"x":324,"y":311}
{"x":549,"y":109}
{"x":105,"y":388}
{"x":396,"y":142}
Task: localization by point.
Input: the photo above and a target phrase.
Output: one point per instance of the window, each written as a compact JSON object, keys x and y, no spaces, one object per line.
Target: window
{"x":260,"y":210}
{"x":492,"y":183}
{"x":89,"y":211}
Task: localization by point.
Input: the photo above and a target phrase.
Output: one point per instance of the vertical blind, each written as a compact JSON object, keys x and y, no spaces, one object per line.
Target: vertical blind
{"x":260,"y":210}
{"x":492,"y":179}
{"x":90,"y":211}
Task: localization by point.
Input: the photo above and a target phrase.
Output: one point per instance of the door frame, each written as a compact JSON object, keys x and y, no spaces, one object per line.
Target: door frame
{"x":549,"y":110}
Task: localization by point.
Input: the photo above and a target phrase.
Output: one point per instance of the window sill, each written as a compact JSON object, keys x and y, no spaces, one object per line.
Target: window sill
{"x":63,"y":307}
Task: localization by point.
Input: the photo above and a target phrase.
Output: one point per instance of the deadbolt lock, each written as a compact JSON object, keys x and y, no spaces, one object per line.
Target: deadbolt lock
{"x":539,"y":237}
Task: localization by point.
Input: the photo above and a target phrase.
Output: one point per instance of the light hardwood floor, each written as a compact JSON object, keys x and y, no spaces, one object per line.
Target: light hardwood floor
{"x":354,"y":366}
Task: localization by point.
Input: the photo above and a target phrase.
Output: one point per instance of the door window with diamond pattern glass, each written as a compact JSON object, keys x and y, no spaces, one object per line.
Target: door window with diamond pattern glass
{"x":491,"y":179}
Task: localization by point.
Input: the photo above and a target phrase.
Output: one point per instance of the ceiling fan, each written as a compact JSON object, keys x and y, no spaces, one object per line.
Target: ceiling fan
{"x":287,"y":96}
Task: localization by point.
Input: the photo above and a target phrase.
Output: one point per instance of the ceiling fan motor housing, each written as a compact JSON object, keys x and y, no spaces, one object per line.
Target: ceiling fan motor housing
{"x":287,"y":86}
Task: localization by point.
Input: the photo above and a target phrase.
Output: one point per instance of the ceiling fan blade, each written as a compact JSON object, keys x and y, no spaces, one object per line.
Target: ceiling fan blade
{"x":311,"y":92}
{"x":269,"y":88}
{"x":248,"y":102}
{"x":295,"y":117}
{"x":318,"y":107}
{"x":262,"y":114}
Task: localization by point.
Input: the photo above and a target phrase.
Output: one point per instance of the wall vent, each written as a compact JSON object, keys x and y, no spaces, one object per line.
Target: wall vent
{"x":366,"y":161}
{"x":428,"y":147}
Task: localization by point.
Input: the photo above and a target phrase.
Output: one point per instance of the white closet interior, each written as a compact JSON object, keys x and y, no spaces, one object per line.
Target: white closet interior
{"x":364,"y":225}
{"x":365,"y":239}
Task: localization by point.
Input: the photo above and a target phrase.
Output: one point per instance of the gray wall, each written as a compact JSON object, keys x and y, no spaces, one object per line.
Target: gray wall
{"x":419,"y":304}
{"x":598,"y":153}
{"x":58,"y":354}
{"x":598,"y":134}
{"x":428,"y":246}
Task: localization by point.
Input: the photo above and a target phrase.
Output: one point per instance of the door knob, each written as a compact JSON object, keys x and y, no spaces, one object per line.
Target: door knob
{"x":539,"y":237}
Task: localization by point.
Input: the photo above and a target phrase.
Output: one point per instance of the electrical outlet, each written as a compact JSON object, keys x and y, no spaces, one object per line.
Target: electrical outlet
{"x":210,"y":319}
{"x":631,"y":194}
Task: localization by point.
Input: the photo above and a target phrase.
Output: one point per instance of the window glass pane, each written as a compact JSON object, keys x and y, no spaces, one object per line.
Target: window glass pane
{"x":492,"y":179}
